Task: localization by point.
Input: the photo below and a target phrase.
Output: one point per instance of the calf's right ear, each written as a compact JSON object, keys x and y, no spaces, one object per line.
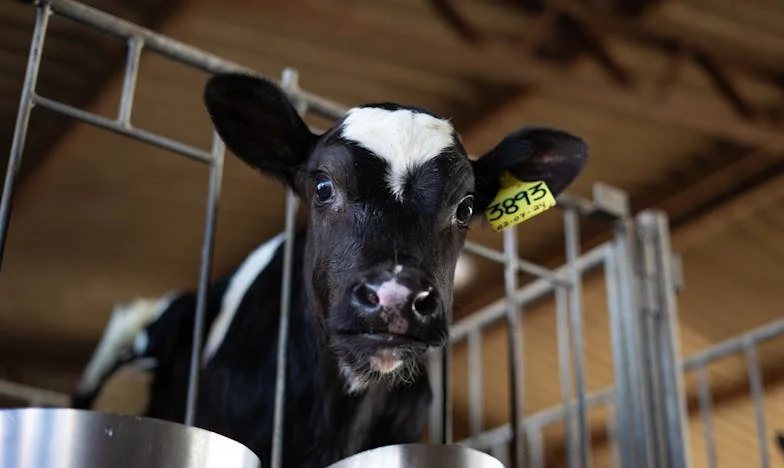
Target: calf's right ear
{"x":258,"y":123}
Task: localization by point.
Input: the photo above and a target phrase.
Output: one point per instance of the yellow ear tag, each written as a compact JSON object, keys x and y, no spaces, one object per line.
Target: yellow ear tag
{"x":518,"y":201}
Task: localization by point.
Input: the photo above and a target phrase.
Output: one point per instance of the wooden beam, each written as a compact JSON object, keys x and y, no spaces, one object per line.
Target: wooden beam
{"x":499,"y":63}
{"x":732,"y":207}
{"x":724,"y":85}
{"x":662,"y":33}
{"x":448,"y":13}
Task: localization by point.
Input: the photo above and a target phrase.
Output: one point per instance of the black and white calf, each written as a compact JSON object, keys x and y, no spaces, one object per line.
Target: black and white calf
{"x":390,"y":193}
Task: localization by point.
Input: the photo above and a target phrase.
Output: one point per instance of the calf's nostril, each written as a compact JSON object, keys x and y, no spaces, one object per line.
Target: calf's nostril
{"x":366,"y":296}
{"x":425,"y":303}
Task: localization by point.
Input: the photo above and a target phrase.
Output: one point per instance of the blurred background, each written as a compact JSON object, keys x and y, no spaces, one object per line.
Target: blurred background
{"x":681,"y":102}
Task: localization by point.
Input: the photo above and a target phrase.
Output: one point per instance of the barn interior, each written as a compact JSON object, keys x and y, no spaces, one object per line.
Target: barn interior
{"x":681,"y":102}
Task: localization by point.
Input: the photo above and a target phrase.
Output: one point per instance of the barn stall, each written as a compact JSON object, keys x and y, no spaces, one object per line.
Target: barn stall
{"x":681,"y":107}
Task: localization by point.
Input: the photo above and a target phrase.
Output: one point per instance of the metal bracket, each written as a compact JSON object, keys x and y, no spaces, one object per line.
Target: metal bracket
{"x":610,"y":203}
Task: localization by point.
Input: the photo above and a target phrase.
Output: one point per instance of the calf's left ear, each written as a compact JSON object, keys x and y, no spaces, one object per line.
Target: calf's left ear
{"x":259,"y":124}
{"x":530,"y":154}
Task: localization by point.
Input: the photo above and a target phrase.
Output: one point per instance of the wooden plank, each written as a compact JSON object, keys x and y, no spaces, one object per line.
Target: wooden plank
{"x":421,"y":49}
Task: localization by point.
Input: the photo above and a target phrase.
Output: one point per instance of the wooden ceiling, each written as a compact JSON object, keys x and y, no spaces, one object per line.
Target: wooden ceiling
{"x":681,"y":102}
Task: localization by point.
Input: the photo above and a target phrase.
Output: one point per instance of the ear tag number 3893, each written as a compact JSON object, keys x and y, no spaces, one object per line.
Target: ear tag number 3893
{"x":518,"y":201}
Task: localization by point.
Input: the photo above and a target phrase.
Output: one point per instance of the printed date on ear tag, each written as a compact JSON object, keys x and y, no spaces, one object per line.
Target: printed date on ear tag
{"x":518,"y":201}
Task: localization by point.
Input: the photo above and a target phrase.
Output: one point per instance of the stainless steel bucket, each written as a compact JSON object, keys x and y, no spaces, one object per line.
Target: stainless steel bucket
{"x":419,"y":456}
{"x":54,"y":438}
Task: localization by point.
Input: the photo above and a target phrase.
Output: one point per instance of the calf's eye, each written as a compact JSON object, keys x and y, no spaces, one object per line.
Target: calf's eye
{"x":324,"y":190}
{"x":465,"y":210}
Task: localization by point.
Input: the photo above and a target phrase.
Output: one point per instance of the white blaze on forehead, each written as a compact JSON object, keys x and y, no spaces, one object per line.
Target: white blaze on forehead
{"x":404,"y":138}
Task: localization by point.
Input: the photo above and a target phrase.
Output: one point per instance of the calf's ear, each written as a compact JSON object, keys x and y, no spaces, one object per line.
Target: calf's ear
{"x":258,"y":123}
{"x":530,"y":154}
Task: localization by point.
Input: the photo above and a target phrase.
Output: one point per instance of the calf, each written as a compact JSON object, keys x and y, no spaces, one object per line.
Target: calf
{"x":390,"y":193}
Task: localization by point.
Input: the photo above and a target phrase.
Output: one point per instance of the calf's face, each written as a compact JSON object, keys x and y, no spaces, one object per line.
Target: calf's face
{"x":390,"y":192}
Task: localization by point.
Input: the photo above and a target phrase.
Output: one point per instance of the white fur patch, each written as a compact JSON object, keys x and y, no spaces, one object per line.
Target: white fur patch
{"x":404,"y":138}
{"x":122,"y":332}
{"x":385,"y":361}
{"x":243,"y":278}
{"x":354,"y":383}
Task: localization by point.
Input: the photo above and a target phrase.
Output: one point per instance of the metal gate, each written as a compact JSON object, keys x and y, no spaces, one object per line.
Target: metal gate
{"x":648,"y":424}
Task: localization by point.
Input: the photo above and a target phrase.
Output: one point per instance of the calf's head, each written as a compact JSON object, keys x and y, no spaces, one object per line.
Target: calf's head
{"x":390,"y":193}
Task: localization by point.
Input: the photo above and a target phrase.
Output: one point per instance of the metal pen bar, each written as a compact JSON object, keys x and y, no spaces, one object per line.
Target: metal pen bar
{"x":523,"y":265}
{"x":501,"y":453}
{"x":565,"y":368}
{"x":475,"y":382}
{"x":755,"y":380}
{"x":436,"y":412}
{"x":290,"y":80}
{"x":176,"y":50}
{"x":515,"y":345}
{"x":213,"y":197}
{"x":734,"y":345}
{"x":117,"y":127}
{"x":706,"y":412}
{"x":677,"y":435}
{"x":135,"y":47}
{"x":22,"y":121}
{"x":575,"y":301}
{"x":283,"y":332}
{"x":623,"y":414}
{"x":535,"y":447}
{"x":528,"y":294}
{"x":638,"y":410}
{"x":612,"y":436}
{"x":503,"y":433}
{"x":649,"y":321}
{"x":446,"y":390}
{"x":30,"y":394}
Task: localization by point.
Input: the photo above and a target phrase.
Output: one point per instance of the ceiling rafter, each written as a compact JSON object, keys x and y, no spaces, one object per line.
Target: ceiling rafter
{"x":502,"y":64}
{"x":663,"y":33}
{"x":724,"y":85}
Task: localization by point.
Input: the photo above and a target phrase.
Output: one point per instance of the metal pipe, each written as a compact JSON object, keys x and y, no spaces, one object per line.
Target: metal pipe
{"x":446,"y":390}
{"x":676,"y":434}
{"x":535,"y":447}
{"x":22,"y":121}
{"x":114,"y":126}
{"x":475,"y":382}
{"x":503,"y":433}
{"x":706,"y":411}
{"x":283,"y":332}
{"x":612,"y":437}
{"x":176,"y":50}
{"x":734,"y":345}
{"x":575,"y":301}
{"x":436,"y":412}
{"x":135,"y":47}
{"x":755,"y":380}
{"x":623,"y":414}
{"x":523,"y":265}
{"x":500,"y":452}
{"x":290,"y":83}
{"x":39,"y":396}
{"x":515,"y":346}
{"x":639,"y":418}
{"x":528,"y":294}
{"x":649,"y":320}
{"x":565,"y":368}
{"x":213,"y":196}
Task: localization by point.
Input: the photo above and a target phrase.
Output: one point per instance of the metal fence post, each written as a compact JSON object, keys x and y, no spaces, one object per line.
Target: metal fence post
{"x":666,"y":387}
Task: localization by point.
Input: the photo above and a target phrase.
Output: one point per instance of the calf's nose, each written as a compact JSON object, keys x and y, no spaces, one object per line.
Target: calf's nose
{"x":392,"y":295}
